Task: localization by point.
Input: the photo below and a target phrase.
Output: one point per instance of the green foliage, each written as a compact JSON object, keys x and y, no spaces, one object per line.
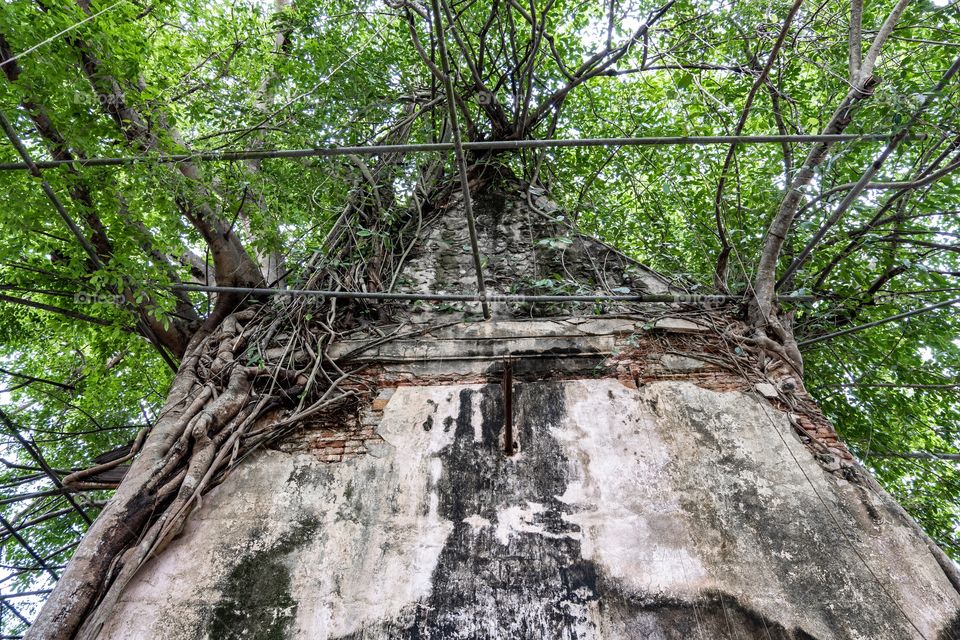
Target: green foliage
{"x":346,"y":76}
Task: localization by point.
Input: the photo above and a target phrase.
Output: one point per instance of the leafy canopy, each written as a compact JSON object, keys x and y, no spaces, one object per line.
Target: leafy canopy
{"x":79,"y":378}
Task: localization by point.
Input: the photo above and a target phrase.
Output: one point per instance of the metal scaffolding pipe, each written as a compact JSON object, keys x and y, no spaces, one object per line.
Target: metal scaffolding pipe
{"x":877,"y":323}
{"x":669,"y":298}
{"x":491,"y":145}
{"x":460,"y":157}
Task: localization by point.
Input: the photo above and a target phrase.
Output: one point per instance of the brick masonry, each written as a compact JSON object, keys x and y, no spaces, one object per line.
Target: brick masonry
{"x":336,"y":438}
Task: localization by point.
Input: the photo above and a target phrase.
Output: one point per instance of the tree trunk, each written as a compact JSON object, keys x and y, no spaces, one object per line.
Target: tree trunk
{"x":662,"y":483}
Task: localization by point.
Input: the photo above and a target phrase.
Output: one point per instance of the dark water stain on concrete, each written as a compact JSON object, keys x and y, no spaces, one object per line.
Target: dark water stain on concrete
{"x":713,"y":615}
{"x":809,"y":567}
{"x":255,"y":602}
{"x":952,"y":630}
{"x":535,"y":586}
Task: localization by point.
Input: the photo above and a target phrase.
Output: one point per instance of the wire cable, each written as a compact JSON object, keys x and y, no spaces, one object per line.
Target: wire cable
{"x":57,"y":35}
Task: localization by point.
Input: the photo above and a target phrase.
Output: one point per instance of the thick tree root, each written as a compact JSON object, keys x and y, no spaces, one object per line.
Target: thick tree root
{"x":212,"y":419}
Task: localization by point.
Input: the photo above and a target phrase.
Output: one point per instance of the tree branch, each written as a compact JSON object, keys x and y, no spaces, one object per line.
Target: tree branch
{"x":594,"y":66}
{"x":765,"y":281}
{"x":858,"y":188}
{"x":720,"y":272}
{"x":67,"y":313}
{"x":855,"y":43}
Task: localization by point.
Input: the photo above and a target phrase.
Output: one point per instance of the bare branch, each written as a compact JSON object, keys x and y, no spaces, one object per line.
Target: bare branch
{"x":37,"y":456}
{"x":29,"y":549}
{"x":67,"y":313}
{"x":924,"y":177}
{"x":720,"y":273}
{"x":858,"y":188}
{"x":916,"y":455}
{"x":877,"y":323}
{"x":856,"y":37}
{"x":595,"y":66}
{"x":950,"y":386}
{"x":31,"y":379}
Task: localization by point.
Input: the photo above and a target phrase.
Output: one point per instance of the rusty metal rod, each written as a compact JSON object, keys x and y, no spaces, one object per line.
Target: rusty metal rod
{"x":507,"y":385}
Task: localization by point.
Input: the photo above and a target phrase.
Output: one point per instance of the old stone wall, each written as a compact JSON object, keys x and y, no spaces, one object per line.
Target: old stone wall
{"x":528,"y":248}
{"x":653,"y":495}
{"x":665,"y":485}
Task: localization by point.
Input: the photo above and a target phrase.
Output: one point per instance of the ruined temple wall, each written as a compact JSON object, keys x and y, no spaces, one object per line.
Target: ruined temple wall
{"x":527,"y":247}
{"x":665,"y":485}
{"x":665,"y":511}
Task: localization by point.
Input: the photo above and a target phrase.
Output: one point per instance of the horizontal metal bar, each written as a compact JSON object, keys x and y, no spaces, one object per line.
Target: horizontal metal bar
{"x":491,"y":145}
{"x":877,"y":323}
{"x":915,"y":455}
{"x":24,"y":594}
{"x":670,"y":298}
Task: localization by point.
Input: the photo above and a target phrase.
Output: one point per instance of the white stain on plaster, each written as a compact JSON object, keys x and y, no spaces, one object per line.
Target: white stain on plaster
{"x":630,"y":519}
{"x":476,"y":417}
{"x":519,"y":519}
{"x":385,"y":561}
{"x":476,"y":522}
{"x":385,"y":534}
{"x":436,"y":470}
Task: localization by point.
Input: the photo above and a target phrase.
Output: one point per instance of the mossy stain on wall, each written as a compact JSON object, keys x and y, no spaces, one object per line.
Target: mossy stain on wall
{"x":256,"y":603}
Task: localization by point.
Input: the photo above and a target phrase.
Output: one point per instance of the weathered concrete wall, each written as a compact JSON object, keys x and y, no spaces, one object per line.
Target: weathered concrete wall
{"x":665,"y":511}
{"x":665,"y":486}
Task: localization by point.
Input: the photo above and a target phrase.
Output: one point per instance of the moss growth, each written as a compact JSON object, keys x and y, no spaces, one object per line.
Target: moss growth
{"x":256,"y":602}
